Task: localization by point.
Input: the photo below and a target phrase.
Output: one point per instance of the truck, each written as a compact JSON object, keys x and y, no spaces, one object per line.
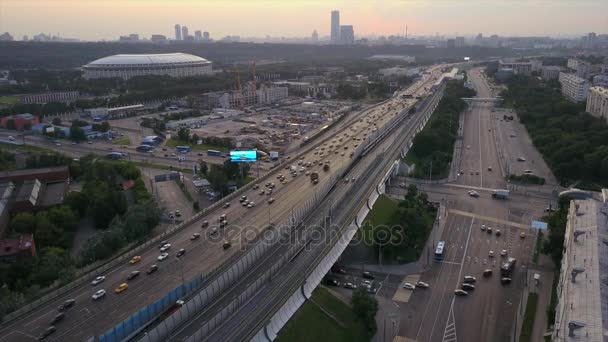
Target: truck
{"x":507,"y":267}
{"x":274,"y":155}
{"x":500,"y":194}
{"x":314,"y":178}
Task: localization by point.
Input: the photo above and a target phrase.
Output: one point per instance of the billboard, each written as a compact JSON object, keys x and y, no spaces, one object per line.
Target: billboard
{"x":243,"y":156}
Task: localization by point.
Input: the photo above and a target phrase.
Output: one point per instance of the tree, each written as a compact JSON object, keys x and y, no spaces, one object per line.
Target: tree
{"x":56,"y":121}
{"x":23,"y":223}
{"x":77,"y":134}
{"x":10,"y":124}
{"x":203,"y":167}
{"x":365,"y":308}
{"x":183,"y":134}
{"x":218,"y":180}
{"x":78,"y":201}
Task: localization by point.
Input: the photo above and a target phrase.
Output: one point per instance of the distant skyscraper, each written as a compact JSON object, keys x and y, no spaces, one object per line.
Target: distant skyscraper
{"x":206,"y":36}
{"x":459,"y":42}
{"x":178,"y":32}
{"x":134,"y":37}
{"x":198,"y":35}
{"x":335,"y":26}
{"x":184,"y":32}
{"x":347,"y":34}
{"x":158,"y":38}
{"x":451,"y":43}
{"x":315,"y":36}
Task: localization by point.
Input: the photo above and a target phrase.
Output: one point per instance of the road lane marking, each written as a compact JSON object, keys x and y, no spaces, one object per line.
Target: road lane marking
{"x":488,"y":218}
{"x":450,"y":262}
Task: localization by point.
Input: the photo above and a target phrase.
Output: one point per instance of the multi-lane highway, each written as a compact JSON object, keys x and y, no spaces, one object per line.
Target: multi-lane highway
{"x":486,"y":313}
{"x":92,"y":318}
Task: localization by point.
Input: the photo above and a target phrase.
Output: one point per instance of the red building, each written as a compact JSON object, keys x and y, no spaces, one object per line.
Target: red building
{"x":21,"y":122}
{"x":21,"y":247}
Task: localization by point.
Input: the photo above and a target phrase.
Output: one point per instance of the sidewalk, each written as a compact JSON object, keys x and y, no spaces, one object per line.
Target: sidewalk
{"x":544,"y":295}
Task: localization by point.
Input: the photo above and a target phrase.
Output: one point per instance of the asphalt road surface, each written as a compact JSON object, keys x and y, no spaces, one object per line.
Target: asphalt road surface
{"x":88,"y":318}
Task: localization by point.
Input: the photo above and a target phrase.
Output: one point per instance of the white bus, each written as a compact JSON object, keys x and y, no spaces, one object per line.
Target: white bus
{"x":440,"y":250}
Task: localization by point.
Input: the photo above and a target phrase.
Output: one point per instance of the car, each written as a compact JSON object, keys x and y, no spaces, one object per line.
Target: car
{"x":332,"y":282}
{"x":166,"y":247}
{"x":487,"y":272}
{"x":337,"y":269}
{"x":223,"y":217}
{"x":226,"y":244}
{"x":483,"y":227}
{"x":477,"y":173}
{"x":467,"y":287}
{"x":89,"y":142}
{"x":98,"y":280}
{"x":133,"y":275}
{"x":468,"y":147}
{"x":121,"y":288}
{"x":226,"y":205}
{"x":162,"y":256}
{"x":255,"y":187}
{"x":243,"y":198}
{"x":505,"y":280}
{"x":205,"y":224}
{"x":503,"y":252}
{"x":489,"y":230}
{"x":98,"y":294}
{"x":471,"y":173}
{"x":346,"y":180}
{"x":498,"y":232}
{"x":473,"y":193}
{"x":350,"y":286}
{"x":366,"y":282}
{"x":469,"y":279}
{"x":491,"y":254}
{"x":180,"y":302}
{"x":371,"y":290}
{"x":368,"y":275}
{"x":46,"y":333}
{"x":67,"y":304}
{"x":57,"y":144}
{"x":522,"y":235}
{"x":57,"y":318}
{"x":180,"y":252}
{"x":245,"y":203}
{"x":152,"y":269}
{"x":250,"y":205}
{"x":171,"y":215}
{"x":408,"y":286}
{"x":270,"y":200}
{"x":422,"y":284}
{"x":489,"y":168}
{"x":262,"y":192}
{"x":177,"y":213}
{"x":460,"y":292}
{"x":135,"y":259}
{"x":521,"y":159}
{"x":195,"y":236}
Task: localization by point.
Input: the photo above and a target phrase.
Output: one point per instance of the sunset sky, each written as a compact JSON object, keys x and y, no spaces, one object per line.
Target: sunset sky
{"x":107,"y":19}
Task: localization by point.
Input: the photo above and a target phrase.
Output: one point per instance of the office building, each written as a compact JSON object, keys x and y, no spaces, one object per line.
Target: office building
{"x":519,"y":68}
{"x":574,"y":88}
{"x":459,"y":42}
{"x":597,"y":102}
{"x":315,"y":37}
{"x":63,"y":97}
{"x":206,"y":36}
{"x":581,"y":312}
{"x":158,"y":38}
{"x":198,"y":35}
{"x":600,"y":80}
{"x":451,"y":43}
{"x":550,"y":72}
{"x":178,"y":32}
{"x":572,"y":63}
{"x":347,"y":34}
{"x":184,"y":32}
{"x":127,"y":66}
{"x":335,"y":26}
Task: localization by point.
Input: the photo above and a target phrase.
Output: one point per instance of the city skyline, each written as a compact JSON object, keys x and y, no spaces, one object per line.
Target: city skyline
{"x":74,"y":19}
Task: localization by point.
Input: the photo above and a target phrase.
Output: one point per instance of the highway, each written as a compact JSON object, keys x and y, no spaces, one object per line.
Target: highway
{"x":487,"y":313}
{"x":92,"y":318}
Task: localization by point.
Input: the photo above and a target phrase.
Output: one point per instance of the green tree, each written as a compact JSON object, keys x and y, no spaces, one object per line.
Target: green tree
{"x":10,"y":124}
{"x":365,"y":308}
{"x":23,"y":223}
{"x":77,"y":134}
{"x":78,"y":201}
{"x":218,"y":180}
{"x":183,"y":134}
{"x":56,"y":121}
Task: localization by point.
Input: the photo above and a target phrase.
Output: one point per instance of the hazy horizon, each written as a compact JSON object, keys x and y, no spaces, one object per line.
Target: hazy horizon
{"x":108,"y":19}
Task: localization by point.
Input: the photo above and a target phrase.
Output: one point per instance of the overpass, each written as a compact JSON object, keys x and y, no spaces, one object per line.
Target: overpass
{"x":257,"y":304}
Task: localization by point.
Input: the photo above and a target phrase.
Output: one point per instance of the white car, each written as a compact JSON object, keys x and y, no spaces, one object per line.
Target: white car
{"x":98,"y":294}
{"x":98,"y":280}
{"x":473,"y":193}
{"x":250,"y":205}
{"x":163,"y":256}
{"x":166,"y":247}
{"x":422,"y":284}
{"x":503,"y":252}
{"x":409,"y":286}
{"x":491,"y":254}
{"x":483,"y":227}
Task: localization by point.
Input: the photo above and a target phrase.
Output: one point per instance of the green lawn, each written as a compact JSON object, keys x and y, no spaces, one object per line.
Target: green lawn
{"x":380,"y":215}
{"x":528,"y":324}
{"x":8,"y":99}
{"x":203,"y":147}
{"x":310,"y":324}
{"x":124,"y":141}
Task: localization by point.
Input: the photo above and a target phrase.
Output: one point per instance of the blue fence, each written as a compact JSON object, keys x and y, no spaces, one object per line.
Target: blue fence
{"x":130,"y":325}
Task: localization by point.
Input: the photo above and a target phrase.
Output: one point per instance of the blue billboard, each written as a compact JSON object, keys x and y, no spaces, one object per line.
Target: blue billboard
{"x":243,"y":156}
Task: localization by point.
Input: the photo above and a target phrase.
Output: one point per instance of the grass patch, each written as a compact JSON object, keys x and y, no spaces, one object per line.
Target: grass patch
{"x":202,"y":147}
{"x":380,"y":215}
{"x":124,"y":141}
{"x":528,"y":324}
{"x":553,"y":301}
{"x":8,"y":99}
{"x":310,"y":324}
{"x":537,"y":247}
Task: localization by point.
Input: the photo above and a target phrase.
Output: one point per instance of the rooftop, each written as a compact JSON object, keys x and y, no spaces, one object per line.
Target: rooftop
{"x":10,"y":247}
{"x":147,"y":59}
{"x":585,"y":301}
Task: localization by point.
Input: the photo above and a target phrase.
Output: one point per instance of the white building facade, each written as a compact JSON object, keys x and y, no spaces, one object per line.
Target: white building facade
{"x":574,"y":88}
{"x":597,"y":102}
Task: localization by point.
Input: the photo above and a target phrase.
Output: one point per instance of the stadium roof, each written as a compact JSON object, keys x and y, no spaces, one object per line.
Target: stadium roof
{"x":147,"y":59}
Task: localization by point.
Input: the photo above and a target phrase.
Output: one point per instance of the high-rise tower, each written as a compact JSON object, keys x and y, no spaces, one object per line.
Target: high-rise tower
{"x":335,"y":26}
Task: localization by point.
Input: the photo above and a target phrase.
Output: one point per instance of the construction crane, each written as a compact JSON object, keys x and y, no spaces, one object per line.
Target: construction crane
{"x":253,"y":80}
{"x":239,"y":91}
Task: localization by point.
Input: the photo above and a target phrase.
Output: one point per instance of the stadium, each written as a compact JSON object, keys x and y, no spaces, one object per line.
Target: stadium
{"x":127,"y":66}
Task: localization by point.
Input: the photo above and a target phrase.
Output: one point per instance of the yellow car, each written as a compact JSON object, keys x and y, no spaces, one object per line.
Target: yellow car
{"x":135,"y":259}
{"x":122,"y":287}
{"x":522,"y":235}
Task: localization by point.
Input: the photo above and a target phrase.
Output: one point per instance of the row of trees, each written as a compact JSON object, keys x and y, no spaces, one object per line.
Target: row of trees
{"x":372,"y":90}
{"x":574,"y":143}
{"x":184,"y":136}
{"x":434,"y":146}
